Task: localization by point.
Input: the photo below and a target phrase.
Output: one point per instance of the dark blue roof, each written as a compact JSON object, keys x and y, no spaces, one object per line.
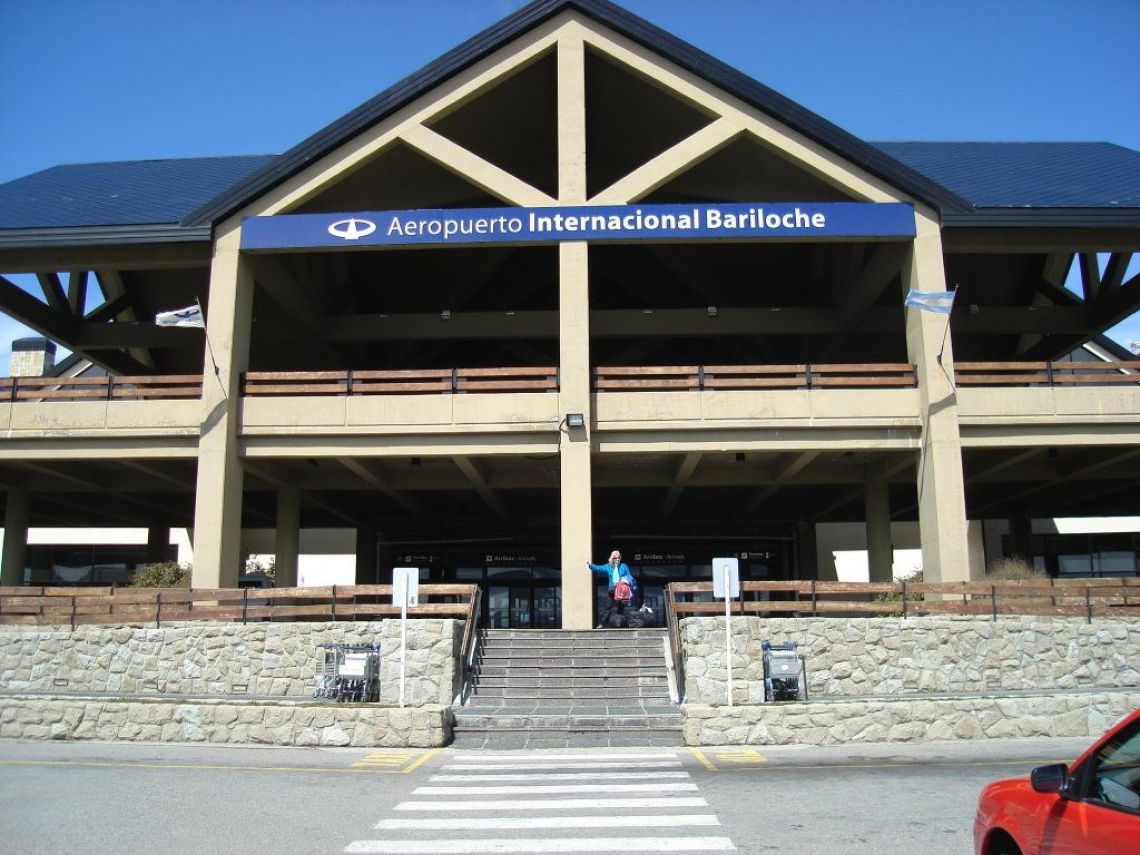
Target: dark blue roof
{"x":1028,"y":174}
{"x":989,"y":175}
{"x":127,"y":193}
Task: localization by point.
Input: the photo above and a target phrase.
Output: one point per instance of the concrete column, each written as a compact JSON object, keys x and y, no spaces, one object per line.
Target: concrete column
{"x":367,"y":568}
{"x":157,"y":541}
{"x":880,"y":553}
{"x":574,"y":448}
{"x":217,"y":511}
{"x":16,"y":518}
{"x":1021,"y":538}
{"x":574,"y":345}
{"x":807,"y":563}
{"x":288,"y":536}
{"x":941,"y":491}
{"x":975,"y":534}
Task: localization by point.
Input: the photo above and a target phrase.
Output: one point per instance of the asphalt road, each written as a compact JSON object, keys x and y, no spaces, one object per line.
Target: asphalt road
{"x":128,"y":798}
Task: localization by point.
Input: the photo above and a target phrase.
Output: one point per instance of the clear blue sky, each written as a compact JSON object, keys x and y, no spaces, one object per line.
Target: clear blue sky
{"x":85,"y":81}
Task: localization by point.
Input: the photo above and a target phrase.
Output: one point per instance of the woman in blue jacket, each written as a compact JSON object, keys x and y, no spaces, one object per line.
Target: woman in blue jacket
{"x":615,"y":571}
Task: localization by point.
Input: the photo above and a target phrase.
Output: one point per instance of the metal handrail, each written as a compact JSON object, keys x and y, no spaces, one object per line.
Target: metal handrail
{"x":469,"y":646}
{"x":673,"y":625}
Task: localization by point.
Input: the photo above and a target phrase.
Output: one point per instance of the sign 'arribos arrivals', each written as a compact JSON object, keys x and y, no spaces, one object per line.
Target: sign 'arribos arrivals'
{"x":460,"y":226}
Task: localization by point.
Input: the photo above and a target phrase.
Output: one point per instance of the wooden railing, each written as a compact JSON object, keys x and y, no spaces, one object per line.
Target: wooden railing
{"x":142,"y":387}
{"x":469,"y":645}
{"x":437,"y":381}
{"x":76,"y":606}
{"x":1046,"y":373}
{"x":673,"y":625}
{"x":1087,"y":598}
{"x":646,"y":378}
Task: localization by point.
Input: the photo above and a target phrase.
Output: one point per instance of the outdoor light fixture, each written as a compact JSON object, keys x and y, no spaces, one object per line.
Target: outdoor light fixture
{"x":711,"y":311}
{"x":445,"y":315}
{"x":575,"y":420}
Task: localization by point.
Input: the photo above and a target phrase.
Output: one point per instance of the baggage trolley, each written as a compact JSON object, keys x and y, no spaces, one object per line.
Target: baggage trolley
{"x":785,"y":678}
{"x":348,"y":673}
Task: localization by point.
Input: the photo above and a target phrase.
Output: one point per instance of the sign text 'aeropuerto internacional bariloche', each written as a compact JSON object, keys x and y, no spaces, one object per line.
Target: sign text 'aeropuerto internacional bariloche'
{"x":460,"y":226}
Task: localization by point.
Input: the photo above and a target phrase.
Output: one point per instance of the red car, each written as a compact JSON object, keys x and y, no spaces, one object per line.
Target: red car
{"x":1091,"y":808}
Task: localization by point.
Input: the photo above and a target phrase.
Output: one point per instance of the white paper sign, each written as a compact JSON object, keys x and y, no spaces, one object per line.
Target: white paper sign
{"x":723,"y":567}
{"x":405,"y":586}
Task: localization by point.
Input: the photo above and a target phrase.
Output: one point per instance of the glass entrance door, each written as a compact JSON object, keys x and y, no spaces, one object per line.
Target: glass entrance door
{"x":547,"y":607}
{"x":521,"y":611}
{"x":524,"y":606}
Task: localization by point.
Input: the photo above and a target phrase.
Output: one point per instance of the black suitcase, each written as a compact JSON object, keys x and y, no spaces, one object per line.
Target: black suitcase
{"x":641,"y":618}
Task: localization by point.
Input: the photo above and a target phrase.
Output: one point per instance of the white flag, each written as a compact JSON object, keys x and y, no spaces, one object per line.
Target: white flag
{"x":940,"y":302}
{"x":191,"y":316}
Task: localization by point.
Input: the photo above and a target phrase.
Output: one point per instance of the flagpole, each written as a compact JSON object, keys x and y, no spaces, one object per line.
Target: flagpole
{"x":945,"y":333}
{"x":209,"y":347}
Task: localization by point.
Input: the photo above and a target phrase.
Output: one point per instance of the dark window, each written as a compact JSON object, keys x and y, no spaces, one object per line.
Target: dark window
{"x":1114,"y":773}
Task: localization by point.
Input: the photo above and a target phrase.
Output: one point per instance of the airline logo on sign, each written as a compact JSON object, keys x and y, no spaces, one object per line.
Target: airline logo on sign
{"x":352,"y":228}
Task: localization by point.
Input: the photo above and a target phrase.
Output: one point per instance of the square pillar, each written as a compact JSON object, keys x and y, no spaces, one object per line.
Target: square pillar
{"x":16,"y":518}
{"x":880,"y":553}
{"x":218,"y":498}
{"x":157,"y":542}
{"x":576,"y":525}
{"x":368,"y":555}
{"x":575,"y":478}
{"x":941,"y":488}
{"x":288,"y":546}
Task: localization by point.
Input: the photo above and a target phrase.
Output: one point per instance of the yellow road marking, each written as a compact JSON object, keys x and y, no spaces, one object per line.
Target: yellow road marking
{"x":696,"y":752}
{"x":205,"y":767}
{"x":427,"y":755}
{"x":780,"y":767}
{"x":383,"y":759}
{"x":744,"y":755}
{"x":1026,"y":764}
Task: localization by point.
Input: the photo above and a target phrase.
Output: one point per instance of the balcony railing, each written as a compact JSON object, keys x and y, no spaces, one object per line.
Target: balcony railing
{"x":636,"y":378}
{"x":142,"y":387}
{"x":1046,"y":373}
{"x":803,"y":376}
{"x":439,"y":381}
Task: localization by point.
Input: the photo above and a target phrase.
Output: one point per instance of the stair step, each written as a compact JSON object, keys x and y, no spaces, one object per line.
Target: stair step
{"x":584,"y":692}
{"x":598,"y":682}
{"x":575,"y":673}
{"x":476,"y":720}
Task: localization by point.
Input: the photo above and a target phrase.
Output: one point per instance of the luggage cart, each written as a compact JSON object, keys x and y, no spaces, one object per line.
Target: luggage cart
{"x":785,"y":676}
{"x":348,"y":673}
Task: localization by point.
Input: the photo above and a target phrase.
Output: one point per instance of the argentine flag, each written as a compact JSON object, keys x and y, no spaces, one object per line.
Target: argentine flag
{"x":940,"y":302}
{"x":191,"y":316}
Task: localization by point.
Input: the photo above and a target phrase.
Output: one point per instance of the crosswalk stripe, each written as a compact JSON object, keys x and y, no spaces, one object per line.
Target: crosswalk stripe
{"x":554,"y":804}
{"x":556,"y":844}
{"x":508,"y":758}
{"x":664,"y":820}
{"x":487,"y":767}
{"x":522,"y":789}
{"x":564,"y":776}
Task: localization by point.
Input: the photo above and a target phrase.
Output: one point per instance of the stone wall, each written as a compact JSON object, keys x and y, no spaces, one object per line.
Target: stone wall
{"x":891,"y":656}
{"x":240,"y":722}
{"x":203,"y":659}
{"x":1084,"y":714}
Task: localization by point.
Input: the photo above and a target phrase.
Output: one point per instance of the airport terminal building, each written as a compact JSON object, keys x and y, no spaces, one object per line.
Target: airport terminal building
{"x":577,"y":286}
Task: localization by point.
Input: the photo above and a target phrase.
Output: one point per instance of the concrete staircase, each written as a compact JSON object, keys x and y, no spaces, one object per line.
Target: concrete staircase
{"x":561,"y":688}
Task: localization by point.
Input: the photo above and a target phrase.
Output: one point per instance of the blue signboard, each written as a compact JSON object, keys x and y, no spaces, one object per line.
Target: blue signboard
{"x":465,"y":226}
